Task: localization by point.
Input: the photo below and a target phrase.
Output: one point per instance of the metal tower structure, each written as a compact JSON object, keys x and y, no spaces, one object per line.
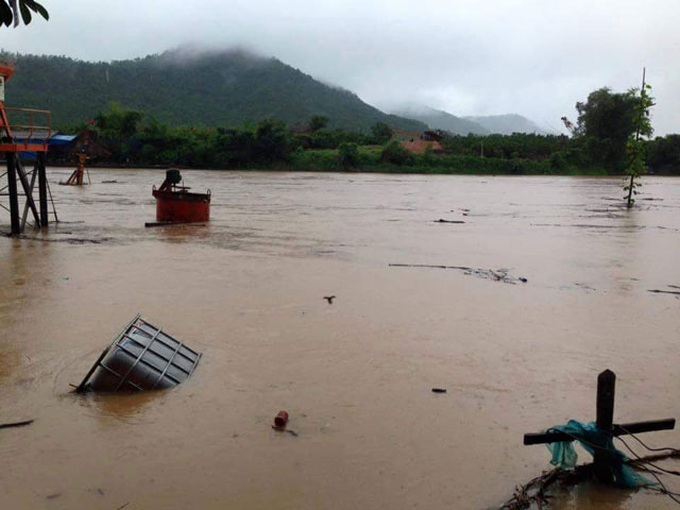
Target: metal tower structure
{"x":23,"y":130}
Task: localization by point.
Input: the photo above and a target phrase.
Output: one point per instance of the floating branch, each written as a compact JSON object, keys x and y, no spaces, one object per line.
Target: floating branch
{"x":435,"y":266}
{"x":499,"y":275}
{"x":16,"y":424}
{"x":657,"y":291}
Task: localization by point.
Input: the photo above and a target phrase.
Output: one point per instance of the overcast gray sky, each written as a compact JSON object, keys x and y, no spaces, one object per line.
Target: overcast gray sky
{"x":532,"y":57}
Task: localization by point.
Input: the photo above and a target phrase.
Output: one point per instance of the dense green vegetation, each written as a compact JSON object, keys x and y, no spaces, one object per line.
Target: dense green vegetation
{"x":614,"y":132}
{"x":605,"y":122}
{"x":663,"y":154}
{"x":137,"y":139}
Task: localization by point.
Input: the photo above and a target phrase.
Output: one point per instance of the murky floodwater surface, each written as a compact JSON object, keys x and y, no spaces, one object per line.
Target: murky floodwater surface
{"x":356,"y":375}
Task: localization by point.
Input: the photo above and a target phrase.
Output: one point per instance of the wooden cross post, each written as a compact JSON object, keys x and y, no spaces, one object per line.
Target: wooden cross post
{"x":602,"y":459}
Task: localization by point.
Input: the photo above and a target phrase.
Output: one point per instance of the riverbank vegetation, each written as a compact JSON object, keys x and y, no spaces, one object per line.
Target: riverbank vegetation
{"x":597,"y":145}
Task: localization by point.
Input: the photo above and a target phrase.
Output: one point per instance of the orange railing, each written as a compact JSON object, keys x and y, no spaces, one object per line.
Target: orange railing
{"x":23,"y":127}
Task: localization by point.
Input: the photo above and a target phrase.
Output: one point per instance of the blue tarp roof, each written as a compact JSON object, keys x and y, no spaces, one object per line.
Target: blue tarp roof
{"x":56,"y":140}
{"x":53,"y":141}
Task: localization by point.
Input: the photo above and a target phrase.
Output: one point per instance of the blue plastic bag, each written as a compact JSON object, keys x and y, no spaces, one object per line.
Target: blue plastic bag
{"x":590,"y":437}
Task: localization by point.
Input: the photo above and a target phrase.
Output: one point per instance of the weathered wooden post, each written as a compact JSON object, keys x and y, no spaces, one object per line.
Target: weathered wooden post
{"x":602,"y":457}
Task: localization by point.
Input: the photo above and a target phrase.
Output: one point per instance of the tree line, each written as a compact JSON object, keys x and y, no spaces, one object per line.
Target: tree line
{"x":598,"y":144}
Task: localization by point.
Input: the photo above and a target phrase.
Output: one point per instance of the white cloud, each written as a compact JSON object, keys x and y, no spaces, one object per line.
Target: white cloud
{"x":531,"y":57}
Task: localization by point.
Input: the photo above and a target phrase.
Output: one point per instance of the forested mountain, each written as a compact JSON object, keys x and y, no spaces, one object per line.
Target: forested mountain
{"x":222,"y":89}
{"x":438,"y":119}
{"x":508,"y":124}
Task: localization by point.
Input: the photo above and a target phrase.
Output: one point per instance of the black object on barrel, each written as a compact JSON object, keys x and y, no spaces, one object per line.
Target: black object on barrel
{"x":173,"y":176}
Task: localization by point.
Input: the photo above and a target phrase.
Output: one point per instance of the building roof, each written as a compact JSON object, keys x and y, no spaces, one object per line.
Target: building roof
{"x":61,"y":139}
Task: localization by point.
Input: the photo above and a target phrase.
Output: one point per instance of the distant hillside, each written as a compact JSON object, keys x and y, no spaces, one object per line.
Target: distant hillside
{"x":508,"y":124}
{"x":225,"y":89}
{"x":438,"y":119}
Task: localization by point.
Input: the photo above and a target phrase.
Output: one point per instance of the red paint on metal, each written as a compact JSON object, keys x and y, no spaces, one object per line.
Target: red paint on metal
{"x":281,"y":420}
{"x":23,"y":147}
{"x":7,"y":71}
{"x":182,"y":206}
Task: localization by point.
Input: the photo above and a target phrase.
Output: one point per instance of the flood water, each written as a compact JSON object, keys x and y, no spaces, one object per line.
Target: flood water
{"x":356,"y":375}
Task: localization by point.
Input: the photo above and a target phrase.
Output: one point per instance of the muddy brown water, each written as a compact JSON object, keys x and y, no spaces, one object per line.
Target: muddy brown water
{"x":356,"y":375}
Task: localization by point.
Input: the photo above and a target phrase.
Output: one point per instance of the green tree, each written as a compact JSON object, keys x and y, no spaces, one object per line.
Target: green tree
{"x":635,"y":150}
{"x":318,"y":122}
{"x":272,"y":142}
{"x":428,"y":157}
{"x":348,"y":155}
{"x":557,"y":162}
{"x":382,"y":133}
{"x":235,"y":147}
{"x":395,"y":153}
{"x":12,"y":11}
{"x":117,"y":126}
{"x":663,"y":154}
{"x":605,"y":123}
{"x":117,"y":121}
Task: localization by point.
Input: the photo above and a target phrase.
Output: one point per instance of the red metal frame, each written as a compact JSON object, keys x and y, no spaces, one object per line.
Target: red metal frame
{"x":30,"y":144}
{"x":33,"y":137}
{"x":6,"y":71}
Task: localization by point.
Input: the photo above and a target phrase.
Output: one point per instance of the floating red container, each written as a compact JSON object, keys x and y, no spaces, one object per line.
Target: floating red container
{"x":181,"y":206}
{"x":174,"y":204}
{"x":281,"y":420}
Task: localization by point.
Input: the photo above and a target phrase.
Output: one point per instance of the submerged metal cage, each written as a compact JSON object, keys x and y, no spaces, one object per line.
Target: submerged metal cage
{"x":142,"y":357}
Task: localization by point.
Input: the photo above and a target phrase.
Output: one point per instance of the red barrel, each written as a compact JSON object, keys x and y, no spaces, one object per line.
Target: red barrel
{"x":182,"y":207}
{"x":281,"y":420}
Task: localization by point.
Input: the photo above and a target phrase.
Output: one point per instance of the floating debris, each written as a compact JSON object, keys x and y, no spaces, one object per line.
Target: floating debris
{"x":610,"y":466}
{"x":281,"y":420}
{"x":70,"y":240}
{"x":280,"y":423}
{"x":140,"y":358}
{"x":499,"y":275}
{"x":659,"y":291}
{"x":16,"y":424}
{"x":539,"y":491}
